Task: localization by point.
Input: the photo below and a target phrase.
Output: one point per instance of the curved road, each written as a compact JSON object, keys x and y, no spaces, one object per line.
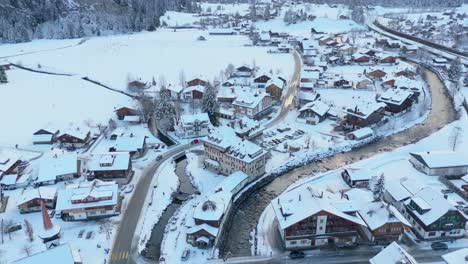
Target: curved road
{"x":249,"y":212}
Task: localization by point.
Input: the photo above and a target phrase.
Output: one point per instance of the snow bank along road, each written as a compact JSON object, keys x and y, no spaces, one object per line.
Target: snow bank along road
{"x":288,"y":100}
{"x":249,"y":212}
{"x":122,"y":250}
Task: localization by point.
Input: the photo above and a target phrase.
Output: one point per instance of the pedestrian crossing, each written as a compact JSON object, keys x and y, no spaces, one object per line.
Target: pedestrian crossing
{"x":120,"y":255}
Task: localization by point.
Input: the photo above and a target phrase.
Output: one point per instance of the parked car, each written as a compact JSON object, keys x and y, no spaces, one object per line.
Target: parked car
{"x":13,"y":227}
{"x":439,"y":246}
{"x":51,"y":213}
{"x":129,"y":188}
{"x":185,"y":254}
{"x":296,"y":254}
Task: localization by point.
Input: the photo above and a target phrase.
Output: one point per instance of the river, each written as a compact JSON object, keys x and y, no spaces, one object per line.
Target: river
{"x":247,"y":216}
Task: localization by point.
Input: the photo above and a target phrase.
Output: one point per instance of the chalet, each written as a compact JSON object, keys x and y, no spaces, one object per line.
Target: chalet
{"x":404,"y":83}
{"x":274,"y":88}
{"x":314,"y":112}
{"x":75,"y":137}
{"x":194,"y":92}
{"x":362,"y":83}
{"x":376,"y":74}
{"x":409,"y":49}
{"x":384,"y":223}
{"x":5,"y":66}
{"x":394,"y":44}
{"x":30,"y":201}
{"x":227,"y":153}
{"x":408,"y":73}
{"x":135,"y":145}
{"x":439,"y":163}
{"x":342,"y":83}
{"x":89,"y":200}
{"x":393,"y":253}
{"x":191,"y":126}
{"x":388,"y":82}
{"x":304,"y":97}
{"x":308,"y":80}
{"x":137,"y":86}
{"x":347,"y":50}
{"x":363,"y":59}
{"x":202,"y":236}
{"x":113,"y":165}
{"x":61,"y":254}
{"x":228,"y":94}
{"x":125,"y":111}
{"x":261,"y":81}
{"x":175,"y":91}
{"x":58,"y":168}
{"x":244,"y":71}
{"x":246,"y":128}
{"x":360,"y":134}
{"x":10,"y":164}
{"x":396,"y":100}
{"x":226,"y":113}
{"x":365,"y":114}
{"x":253,"y":105}
{"x":310,"y":218}
{"x":197,"y":81}
{"x":397,"y":192}
{"x":389,"y":60}
{"x":370,"y":53}
{"x":45,"y":136}
{"x":357,"y":177}
{"x":433,"y":216}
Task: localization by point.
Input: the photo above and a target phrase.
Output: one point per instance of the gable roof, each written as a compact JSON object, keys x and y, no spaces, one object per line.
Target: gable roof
{"x":392,"y":254}
{"x":440,"y":159}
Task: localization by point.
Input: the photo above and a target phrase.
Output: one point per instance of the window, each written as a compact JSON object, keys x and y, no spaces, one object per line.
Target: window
{"x":321,"y":221}
{"x":431,"y":234}
{"x":293,"y":243}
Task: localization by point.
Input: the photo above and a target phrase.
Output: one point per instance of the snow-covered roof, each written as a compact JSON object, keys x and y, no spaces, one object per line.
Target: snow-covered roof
{"x":377,"y":214}
{"x":175,"y":88}
{"x":42,"y":138}
{"x":275,"y":81}
{"x":392,"y":254}
{"x":310,"y":75}
{"x":199,"y":88}
{"x":96,"y":193}
{"x":225,"y":138}
{"x":7,"y":161}
{"x":305,"y":201}
{"x":309,"y":96}
{"x":58,"y":255}
{"x":364,"y":109}
{"x":129,"y":144}
{"x":359,"y":174}
{"x":232,"y":181}
{"x":395,"y":96}
{"x":440,"y":159}
{"x":42,"y":192}
{"x":457,"y":257}
{"x":9,"y":179}
{"x":109,"y":161}
{"x":318,"y":107}
{"x":191,"y":118}
{"x":128,"y":118}
{"x":213,"y":207}
{"x":77,"y":132}
{"x":249,"y":100}
{"x":57,"y":165}
{"x":432,"y":201}
{"x":362,"y":132}
{"x":211,"y":230}
{"x":403,"y":189}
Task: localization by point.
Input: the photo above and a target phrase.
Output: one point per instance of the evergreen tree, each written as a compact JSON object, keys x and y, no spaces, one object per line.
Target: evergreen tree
{"x":210,"y":104}
{"x":465,"y":80}
{"x":3,"y":76}
{"x":357,"y":14}
{"x":266,"y":13}
{"x":455,"y":70}
{"x":165,"y":112}
{"x":379,"y":187}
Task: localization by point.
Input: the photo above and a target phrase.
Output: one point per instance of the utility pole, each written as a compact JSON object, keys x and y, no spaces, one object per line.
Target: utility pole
{"x":1,"y":230}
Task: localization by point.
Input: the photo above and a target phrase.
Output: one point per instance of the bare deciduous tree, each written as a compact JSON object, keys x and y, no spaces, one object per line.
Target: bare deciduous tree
{"x":455,"y":138}
{"x":27,"y":248}
{"x":29,"y":230}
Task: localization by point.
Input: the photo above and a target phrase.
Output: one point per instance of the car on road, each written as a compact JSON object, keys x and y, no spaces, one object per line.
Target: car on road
{"x":195,"y":141}
{"x":297,"y":254}
{"x":185,"y":254}
{"x":439,"y":246}
{"x":159,"y":157}
{"x":129,"y":188}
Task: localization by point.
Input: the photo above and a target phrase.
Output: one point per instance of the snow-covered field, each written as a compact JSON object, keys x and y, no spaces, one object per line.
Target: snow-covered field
{"x":113,"y":59}
{"x":32,"y":101}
